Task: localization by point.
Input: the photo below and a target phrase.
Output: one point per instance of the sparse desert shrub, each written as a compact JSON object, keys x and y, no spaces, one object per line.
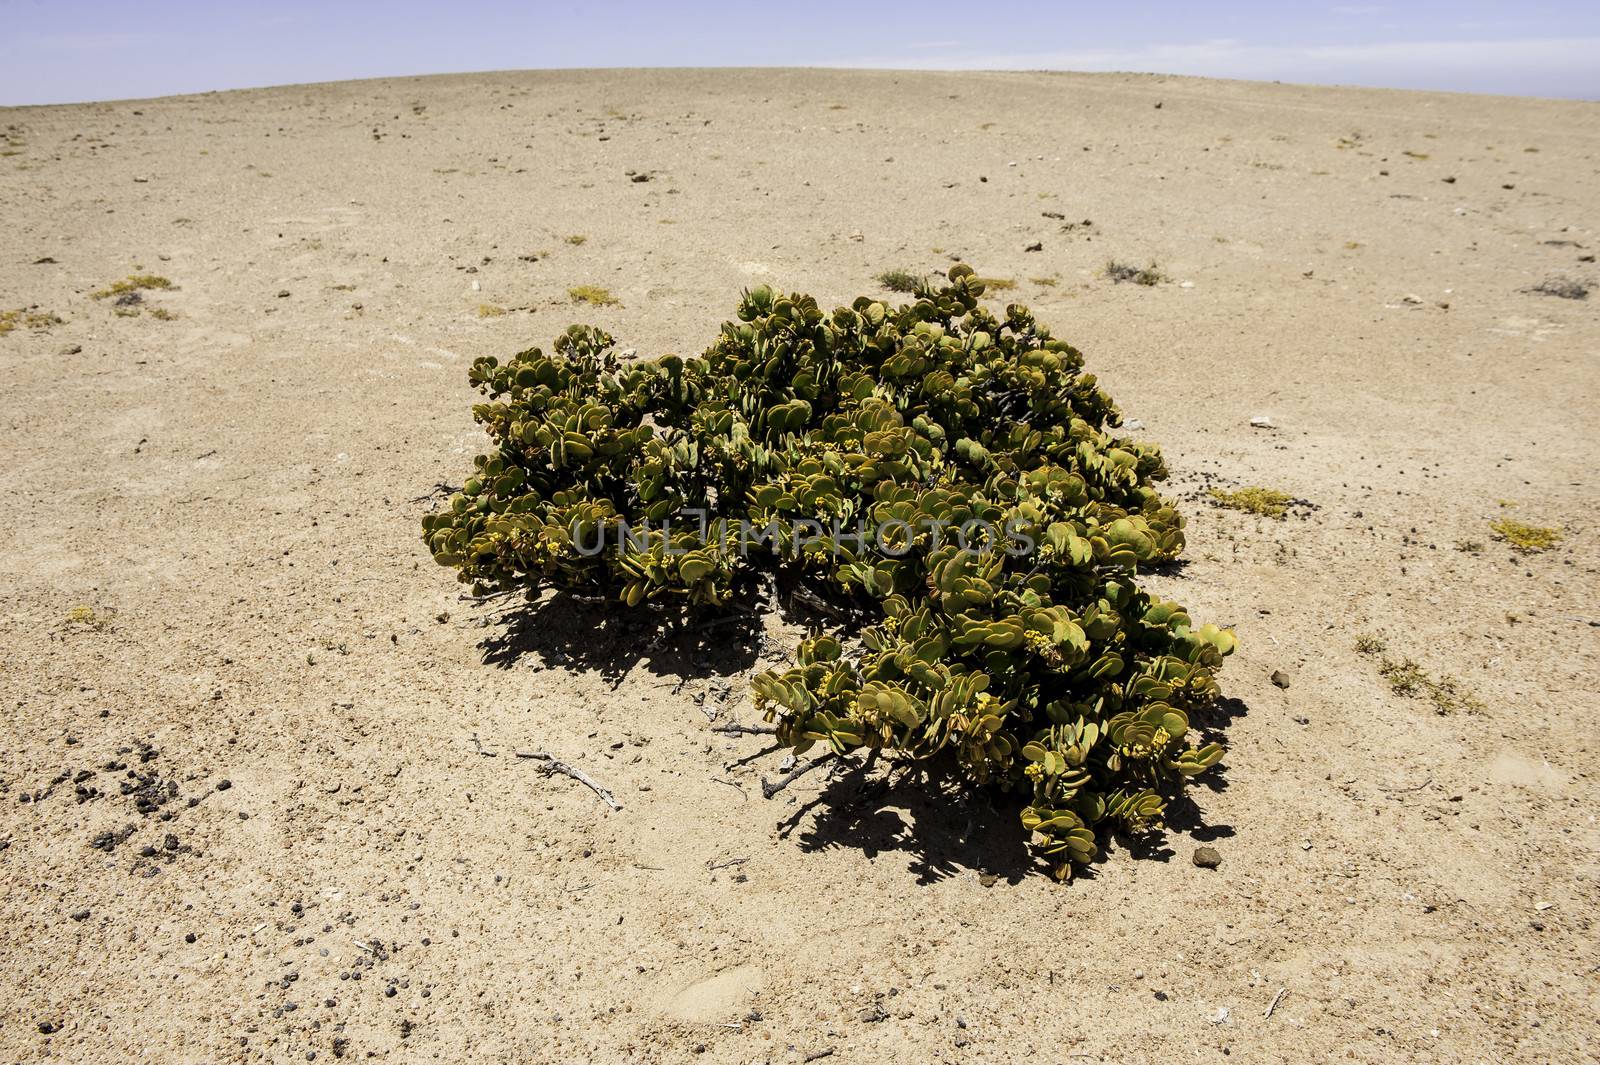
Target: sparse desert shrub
{"x":86,"y":617}
{"x":1562,"y":288}
{"x":1266,"y":502}
{"x":1447,"y":694}
{"x":591,"y":294}
{"x":948,"y":476}
{"x":35,"y":320}
{"x":132,"y":283}
{"x":1405,"y":677}
{"x":900,"y":280}
{"x":1528,"y":539}
{"x":1139,"y":275}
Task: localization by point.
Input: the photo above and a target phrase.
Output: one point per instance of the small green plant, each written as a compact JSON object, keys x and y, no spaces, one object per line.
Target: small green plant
{"x":132,"y":283}
{"x":1139,"y":275}
{"x":1265,"y":502}
{"x":35,"y":320}
{"x":161,"y":314}
{"x":592,"y":294}
{"x":900,"y":280}
{"x":577,"y":240}
{"x":1368,"y":644}
{"x":1525,"y":538}
{"x":1447,"y":694}
{"x":990,"y":613}
{"x":1405,"y":677}
{"x":85,"y":617}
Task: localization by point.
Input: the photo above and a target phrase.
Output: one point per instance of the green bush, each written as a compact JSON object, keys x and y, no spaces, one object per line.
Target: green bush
{"x":952,"y":473}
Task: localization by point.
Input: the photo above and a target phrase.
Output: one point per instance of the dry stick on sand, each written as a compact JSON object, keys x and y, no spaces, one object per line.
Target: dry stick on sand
{"x":556,"y":765}
{"x":1275,"y":1000}
{"x":735,"y":729}
{"x":768,"y":790}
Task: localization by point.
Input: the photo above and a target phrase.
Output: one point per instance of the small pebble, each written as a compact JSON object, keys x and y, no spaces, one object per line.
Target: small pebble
{"x":1207,"y":857}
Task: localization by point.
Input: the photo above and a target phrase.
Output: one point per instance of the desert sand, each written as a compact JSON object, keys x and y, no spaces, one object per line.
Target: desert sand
{"x":260,"y":792}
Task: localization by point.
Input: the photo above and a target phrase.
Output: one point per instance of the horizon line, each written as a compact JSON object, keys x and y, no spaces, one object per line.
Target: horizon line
{"x":828,"y":67}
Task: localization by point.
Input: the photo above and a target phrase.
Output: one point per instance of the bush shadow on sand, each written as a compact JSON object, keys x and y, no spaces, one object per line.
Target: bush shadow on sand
{"x":925,"y":811}
{"x":877,"y":806}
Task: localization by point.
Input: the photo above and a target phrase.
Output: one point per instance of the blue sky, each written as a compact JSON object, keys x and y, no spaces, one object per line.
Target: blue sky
{"x":55,"y":51}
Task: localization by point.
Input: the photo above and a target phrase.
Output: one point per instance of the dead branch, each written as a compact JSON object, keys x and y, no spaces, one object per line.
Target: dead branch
{"x":441,"y":488}
{"x":734,"y":786}
{"x":556,"y":765}
{"x":768,"y":790}
{"x":735,"y":729}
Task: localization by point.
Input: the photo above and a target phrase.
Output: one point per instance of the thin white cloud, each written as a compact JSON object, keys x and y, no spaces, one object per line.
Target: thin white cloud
{"x":1489,"y":65}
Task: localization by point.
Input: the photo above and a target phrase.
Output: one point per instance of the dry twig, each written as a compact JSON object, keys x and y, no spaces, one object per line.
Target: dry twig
{"x":556,"y":765}
{"x":734,"y":729}
{"x":769,"y":789}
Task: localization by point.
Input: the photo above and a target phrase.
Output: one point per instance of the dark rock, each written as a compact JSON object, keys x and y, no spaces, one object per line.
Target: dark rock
{"x":1207,"y":857}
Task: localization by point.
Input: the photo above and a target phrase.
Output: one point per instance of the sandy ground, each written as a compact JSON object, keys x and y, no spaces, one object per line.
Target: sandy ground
{"x":233,"y":494}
